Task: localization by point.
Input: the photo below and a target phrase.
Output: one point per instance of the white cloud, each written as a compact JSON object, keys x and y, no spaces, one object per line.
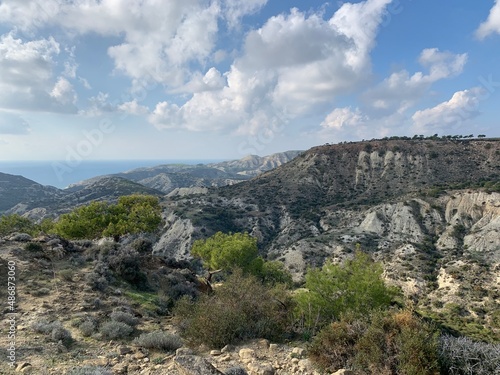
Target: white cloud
{"x":27,"y":80}
{"x":290,"y":66}
{"x":98,"y":105}
{"x":63,"y":92}
{"x":341,"y":118}
{"x":234,"y":10}
{"x":463,"y":106}
{"x":133,"y":108}
{"x":492,"y":24}
{"x":401,"y":90}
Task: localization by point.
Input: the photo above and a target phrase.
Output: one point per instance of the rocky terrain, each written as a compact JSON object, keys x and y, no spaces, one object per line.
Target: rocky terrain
{"x":429,"y":210}
{"x":426,"y":209}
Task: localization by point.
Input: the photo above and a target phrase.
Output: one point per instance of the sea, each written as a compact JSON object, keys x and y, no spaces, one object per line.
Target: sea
{"x":61,"y":174}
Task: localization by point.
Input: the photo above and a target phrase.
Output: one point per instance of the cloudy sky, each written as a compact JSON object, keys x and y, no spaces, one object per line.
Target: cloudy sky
{"x":219,"y":79}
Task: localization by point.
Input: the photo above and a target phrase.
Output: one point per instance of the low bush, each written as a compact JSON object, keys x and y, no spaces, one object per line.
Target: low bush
{"x":241,"y":308}
{"x":158,"y":340}
{"x":463,"y":356}
{"x":87,"y":328}
{"x":33,"y":247}
{"x":124,"y":317}
{"x":113,"y":330}
{"x":54,"y":331}
{"x":391,"y":343}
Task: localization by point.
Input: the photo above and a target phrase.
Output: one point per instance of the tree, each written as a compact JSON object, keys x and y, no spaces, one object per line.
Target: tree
{"x":132,"y":214}
{"x":16,"y":223}
{"x":227,"y":251}
{"x":355,"y":287}
{"x":238,"y":250}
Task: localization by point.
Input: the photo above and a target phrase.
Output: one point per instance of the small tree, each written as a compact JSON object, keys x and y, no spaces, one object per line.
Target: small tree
{"x":355,"y":287}
{"x":15,"y":223}
{"x":132,"y":214}
{"x":227,"y":251}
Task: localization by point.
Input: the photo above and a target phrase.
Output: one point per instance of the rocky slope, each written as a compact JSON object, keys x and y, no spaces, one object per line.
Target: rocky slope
{"x":424,"y":208}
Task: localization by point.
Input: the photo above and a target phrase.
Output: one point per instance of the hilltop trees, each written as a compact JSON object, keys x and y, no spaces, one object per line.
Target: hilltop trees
{"x":132,"y":214}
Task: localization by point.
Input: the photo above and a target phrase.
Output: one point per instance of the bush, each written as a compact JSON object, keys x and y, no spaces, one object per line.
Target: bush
{"x":389,"y":343}
{"x":354,"y":287}
{"x":87,"y":328}
{"x":158,"y":340}
{"x":54,"y":330}
{"x":124,"y":317}
{"x":89,"y":370}
{"x":125,"y":263}
{"x":242,"y":308}
{"x":461,"y":356}
{"x":33,"y":247}
{"x":113,"y":330}
{"x":61,"y":334}
{"x":142,"y":245}
{"x":15,"y":223}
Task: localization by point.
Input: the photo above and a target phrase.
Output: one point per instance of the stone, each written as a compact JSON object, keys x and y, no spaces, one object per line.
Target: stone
{"x":273,"y":348}
{"x":246,"y":353}
{"x":215,"y":353}
{"x":298,"y":352}
{"x":260,"y":369}
{"x":227,"y":348}
{"x":195,"y":365}
{"x":183,"y":351}
{"x":122,"y":350}
{"x":120,"y":368}
{"x":263,"y":344}
{"x":139,"y":355}
{"x":23,"y":367}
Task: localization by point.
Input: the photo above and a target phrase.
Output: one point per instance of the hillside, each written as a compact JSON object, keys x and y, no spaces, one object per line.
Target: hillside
{"x":17,"y":189}
{"x":429,"y":210}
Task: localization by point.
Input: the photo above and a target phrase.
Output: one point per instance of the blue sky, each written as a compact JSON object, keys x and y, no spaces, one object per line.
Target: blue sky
{"x":220,"y":79}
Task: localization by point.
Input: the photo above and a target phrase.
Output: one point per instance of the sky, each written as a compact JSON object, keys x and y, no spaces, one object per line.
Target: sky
{"x":221,"y":79}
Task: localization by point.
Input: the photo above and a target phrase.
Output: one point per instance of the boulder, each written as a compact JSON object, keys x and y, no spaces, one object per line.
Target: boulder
{"x":195,"y":365}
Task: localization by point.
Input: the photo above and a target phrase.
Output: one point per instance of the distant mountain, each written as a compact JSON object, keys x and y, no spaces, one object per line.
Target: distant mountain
{"x":16,"y":189}
{"x":23,"y":196}
{"x":168,"y":177}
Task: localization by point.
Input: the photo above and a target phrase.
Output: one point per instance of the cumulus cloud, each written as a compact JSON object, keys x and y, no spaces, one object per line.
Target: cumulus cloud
{"x":27,"y":80}
{"x":401,"y":90}
{"x":63,"y":92}
{"x":234,"y":10}
{"x":133,"y":108}
{"x":288,"y":67}
{"x":492,"y":24}
{"x":463,"y":106}
{"x":341,"y":118}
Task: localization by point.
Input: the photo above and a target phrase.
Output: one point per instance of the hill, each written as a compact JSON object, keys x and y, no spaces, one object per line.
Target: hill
{"x":429,"y":210}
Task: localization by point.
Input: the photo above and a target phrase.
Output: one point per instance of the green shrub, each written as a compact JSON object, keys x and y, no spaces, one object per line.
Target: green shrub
{"x":158,"y":340}
{"x":54,"y":330}
{"x":241,"y":308}
{"x":87,"y":328}
{"x":15,"y":223}
{"x":389,"y":343}
{"x":113,"y":330}
{"x":462,"y":356}
{"x":355,"y":287}
{"x":33,"y":247}
{"x":124,"y":317}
